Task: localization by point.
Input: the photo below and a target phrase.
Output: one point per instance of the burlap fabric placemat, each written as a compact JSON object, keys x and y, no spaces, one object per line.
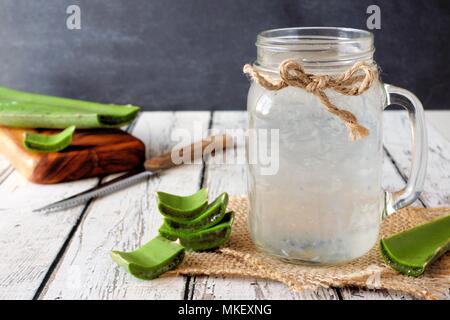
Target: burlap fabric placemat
{"x":240,"y":258}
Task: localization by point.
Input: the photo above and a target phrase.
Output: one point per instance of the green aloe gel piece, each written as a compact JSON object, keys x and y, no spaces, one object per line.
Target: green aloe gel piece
{"x":211,"y":238}
{"x":411,"y":251}
{"x":152,"y":259}
{"x":173,"y":234}
{"x":204,"y":239}
{"x":182,"y":208}
{"x":211,"y":216}
{"x":48,"y":143}
{"x":30,"y":110}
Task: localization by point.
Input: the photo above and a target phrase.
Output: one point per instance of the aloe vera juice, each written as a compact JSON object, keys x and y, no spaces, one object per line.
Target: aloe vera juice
{"x":324,"y":204}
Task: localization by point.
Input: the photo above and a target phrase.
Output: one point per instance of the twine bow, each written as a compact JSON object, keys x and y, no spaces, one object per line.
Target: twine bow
{"x":350,"y":83}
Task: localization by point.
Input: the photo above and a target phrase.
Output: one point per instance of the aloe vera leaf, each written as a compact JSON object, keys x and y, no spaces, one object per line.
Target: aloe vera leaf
{"x":204,"y":239}
{"x":220,"y":238}
{"x":169,"y":233}
{"x":48,"y":143}
{"x":411,"y":251}
{"x":182,"y":208}
{"x":208,"y":239}
{"x":32,"y":115}
{"x":211,"y":216}
{"x":166,"y":232}
{"x":173,"y":234}
{"x":23,"y":109}
{"x":156,"y":257}
{"x":7,"y":94}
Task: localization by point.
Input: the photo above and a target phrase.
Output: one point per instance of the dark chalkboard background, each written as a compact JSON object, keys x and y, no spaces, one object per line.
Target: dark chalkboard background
{"x":188,"y":54}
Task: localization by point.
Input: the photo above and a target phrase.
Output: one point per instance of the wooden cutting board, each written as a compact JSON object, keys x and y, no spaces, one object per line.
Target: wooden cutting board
{"x":92,"y":153}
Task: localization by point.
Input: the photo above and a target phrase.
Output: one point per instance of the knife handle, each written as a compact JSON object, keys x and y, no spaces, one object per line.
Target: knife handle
{"x":200,"y":148}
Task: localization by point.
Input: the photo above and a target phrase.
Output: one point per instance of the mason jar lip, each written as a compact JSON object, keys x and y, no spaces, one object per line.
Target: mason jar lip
{"x":285,"y":39}
{"x":318,"y":49}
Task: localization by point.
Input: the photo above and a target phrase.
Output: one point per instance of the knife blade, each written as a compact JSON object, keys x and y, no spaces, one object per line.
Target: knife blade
{"x":151,"y":168}
{"x":103,"y":189}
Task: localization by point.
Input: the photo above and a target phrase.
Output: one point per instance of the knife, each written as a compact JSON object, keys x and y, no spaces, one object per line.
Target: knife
{"x":151,"y":167}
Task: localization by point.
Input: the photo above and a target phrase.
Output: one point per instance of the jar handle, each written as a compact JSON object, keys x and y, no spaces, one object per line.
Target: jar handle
{"x":414,"y":186}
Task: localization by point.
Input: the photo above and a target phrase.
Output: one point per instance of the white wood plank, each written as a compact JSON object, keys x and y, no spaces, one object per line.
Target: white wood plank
{"x":124,"y":221}
{"x":440,"y":120}
{"x":29,"y":241}
{"x":398,"y":142}
{"x":232,"y":179}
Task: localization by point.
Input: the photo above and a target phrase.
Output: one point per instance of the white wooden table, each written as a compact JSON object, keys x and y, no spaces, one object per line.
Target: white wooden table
{"x":65,"y":255}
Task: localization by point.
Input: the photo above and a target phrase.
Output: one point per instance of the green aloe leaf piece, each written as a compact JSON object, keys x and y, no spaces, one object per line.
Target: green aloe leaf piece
{"x":411,"y":251}
{"x":205,"y":239}
{"x":48,"y":143}
{"x":173,"y":234}
{"x":208,"y":239}
{"x":156,"y":257}
{"x":209,"y":217}
{"x":29,"y":110}
{"x":182,"y":208}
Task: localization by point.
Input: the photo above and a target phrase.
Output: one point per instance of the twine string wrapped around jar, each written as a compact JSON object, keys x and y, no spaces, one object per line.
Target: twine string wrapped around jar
{"x":353,"y":82}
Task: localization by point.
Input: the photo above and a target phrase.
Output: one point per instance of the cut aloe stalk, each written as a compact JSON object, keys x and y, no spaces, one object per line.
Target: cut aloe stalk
{"x":211,"y":238}
{"x":166,"y":232}
{"x":211,"y":216}
{"x":411,"y":251}
{"x":173,"y":234}
{"x":205,"y":239}
{"x":152,"y":259}
{"x":48,"y":143}
{"x":29,"y":110}
{"x":182,"y":208}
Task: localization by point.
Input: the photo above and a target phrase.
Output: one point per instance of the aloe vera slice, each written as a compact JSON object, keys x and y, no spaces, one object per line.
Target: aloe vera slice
{"x":182,"y":208}
{"x":208,"y":239}
{"x":48,"y":143}
{"x":205,"y":239}
{"x":411,"y":251}
{"x":211,"y":216}
{"x":156,"y":257}
{"x":29,"y":110}
{"x":173,"y":234}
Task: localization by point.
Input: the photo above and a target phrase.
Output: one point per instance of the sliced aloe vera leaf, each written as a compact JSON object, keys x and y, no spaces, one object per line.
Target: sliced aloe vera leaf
{"x":156,"y":257}
{"x":208,"y":239}
{"x":182,"y":208}
{"x":173,"y":234}
{"x":166,"y":232}
{"x":411,"y":251}
{"x":48,"y":143}
{"x":211,"y":216}
{"x":29,"y":110}
{"x":205,"y":239}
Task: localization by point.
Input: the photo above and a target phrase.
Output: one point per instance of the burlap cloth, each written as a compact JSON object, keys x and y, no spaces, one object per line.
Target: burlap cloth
{"x":240,"y":258}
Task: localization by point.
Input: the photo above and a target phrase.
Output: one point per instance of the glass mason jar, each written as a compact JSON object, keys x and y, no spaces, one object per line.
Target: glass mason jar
{"x":325,"y":203}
